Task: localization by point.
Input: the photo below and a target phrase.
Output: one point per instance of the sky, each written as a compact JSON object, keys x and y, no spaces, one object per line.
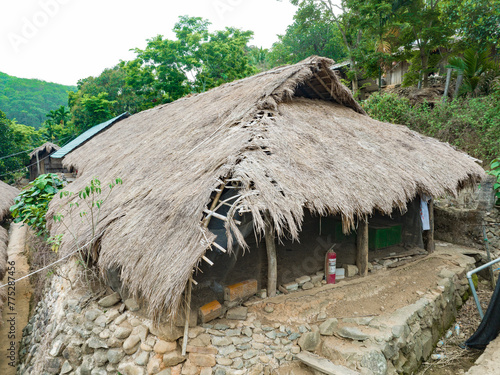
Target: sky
{"x":63,"y":41}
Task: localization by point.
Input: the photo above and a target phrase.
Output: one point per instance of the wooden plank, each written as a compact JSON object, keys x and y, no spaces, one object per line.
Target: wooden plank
{"x":324,"y":365}
{"x":272,"y":263}
{"x":362,"y":247}
{"x":430,"y":245}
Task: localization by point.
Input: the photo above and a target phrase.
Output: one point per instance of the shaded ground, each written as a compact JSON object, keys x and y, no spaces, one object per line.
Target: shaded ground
{"x":380,"y":293}
{"x":20,"y":304}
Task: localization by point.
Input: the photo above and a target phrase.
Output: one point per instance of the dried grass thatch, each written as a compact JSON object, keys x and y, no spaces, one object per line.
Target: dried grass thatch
{"x":47,"y":147}
{"x":293,"y":137}
{"x":7,"y":195}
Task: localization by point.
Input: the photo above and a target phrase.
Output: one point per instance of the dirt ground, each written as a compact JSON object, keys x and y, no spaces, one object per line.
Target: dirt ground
{"x":381,"y":292}
{"x":21,"y":303}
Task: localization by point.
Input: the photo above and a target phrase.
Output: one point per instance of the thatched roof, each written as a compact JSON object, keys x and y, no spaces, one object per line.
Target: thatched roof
{"x":293,"y":137}
{"x":7,"y":195}
{"x":48,"y":147}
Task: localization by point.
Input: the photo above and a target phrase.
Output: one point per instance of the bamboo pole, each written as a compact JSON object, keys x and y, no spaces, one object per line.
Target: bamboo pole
{"x":362,"y":246}
{"x":272,"y":263}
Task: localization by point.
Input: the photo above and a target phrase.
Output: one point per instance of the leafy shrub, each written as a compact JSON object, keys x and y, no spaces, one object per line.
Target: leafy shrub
{"x":470,"y":124}
{"x":388,"y":108}
{"x":31,"y":205}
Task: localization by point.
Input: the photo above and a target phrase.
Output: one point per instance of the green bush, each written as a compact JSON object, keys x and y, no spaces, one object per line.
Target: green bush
{"x":388,"y":108}
{"x":470,"y":124}
{"x":31,"y":205}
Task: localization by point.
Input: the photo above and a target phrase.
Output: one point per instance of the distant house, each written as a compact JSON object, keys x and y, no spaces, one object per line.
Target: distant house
{"x":42,"y":163}
{"x":85,"y":137}
{"x":48,"y":158}
{"x":392,"y":76}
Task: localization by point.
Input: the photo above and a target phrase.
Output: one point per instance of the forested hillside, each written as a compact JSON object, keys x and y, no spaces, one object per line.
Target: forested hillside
{"x":29,"y":100}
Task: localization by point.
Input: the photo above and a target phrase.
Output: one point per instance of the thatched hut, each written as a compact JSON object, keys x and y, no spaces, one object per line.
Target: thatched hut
{"x":262,"y":155}
{"x":42,"y":163}
{"x":7,"y":194}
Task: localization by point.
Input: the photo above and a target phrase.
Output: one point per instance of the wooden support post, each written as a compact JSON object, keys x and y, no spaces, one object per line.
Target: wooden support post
{"x":362,"y":246}
{"x":429,"y":244}
{"x":188,"y":312}
{"x":272,"y":263}
{"x":37,"y":165}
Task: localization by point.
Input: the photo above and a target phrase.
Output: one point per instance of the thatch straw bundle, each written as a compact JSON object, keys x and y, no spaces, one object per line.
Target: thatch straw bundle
{"x":295,"y":139}
{"x":48,"y":147}
{"x":7,"y":195}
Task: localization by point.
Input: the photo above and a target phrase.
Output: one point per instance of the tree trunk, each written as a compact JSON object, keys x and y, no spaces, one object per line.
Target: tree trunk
{"x":425,"y":66}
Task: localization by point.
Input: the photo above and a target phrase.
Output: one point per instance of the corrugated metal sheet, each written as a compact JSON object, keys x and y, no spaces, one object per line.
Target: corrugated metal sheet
{"x":84,"y":137}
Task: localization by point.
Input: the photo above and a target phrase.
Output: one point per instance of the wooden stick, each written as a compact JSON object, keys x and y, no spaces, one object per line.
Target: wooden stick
{"x":188,"y":311}
{"x":219,"y":247}
{"x":194,"y":281}
{"x":207,"y":260}
{"x":218,"y":216}
{"x":272,"y":263}
{"x":362,"y":246}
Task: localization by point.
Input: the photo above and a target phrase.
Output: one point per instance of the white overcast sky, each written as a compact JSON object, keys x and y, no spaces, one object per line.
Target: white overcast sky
{"x":64,"y":40}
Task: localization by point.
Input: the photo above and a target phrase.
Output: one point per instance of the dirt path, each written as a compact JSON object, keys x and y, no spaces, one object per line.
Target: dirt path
{"x":16,"y":309}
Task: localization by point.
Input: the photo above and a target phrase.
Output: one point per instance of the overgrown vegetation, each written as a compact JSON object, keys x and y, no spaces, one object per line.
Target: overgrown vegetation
{"x":471,"y":124}
{"x":31,"y":205}
{"x":82,"y":214}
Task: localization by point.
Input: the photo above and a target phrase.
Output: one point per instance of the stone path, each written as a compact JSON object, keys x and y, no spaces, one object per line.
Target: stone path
{"x":489,"y":362}
{"x":16,"y":318}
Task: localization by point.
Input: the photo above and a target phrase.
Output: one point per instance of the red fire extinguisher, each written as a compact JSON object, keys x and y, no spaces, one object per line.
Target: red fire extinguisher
{"x":330,"y":265}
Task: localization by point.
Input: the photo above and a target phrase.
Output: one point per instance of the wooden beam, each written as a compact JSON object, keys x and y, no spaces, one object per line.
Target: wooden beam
{"x":429,"y":244}
{"x":316,"y":91}
{"x":362,"y":246}
{"x":272,"y":263}
{"x":323,"y":84}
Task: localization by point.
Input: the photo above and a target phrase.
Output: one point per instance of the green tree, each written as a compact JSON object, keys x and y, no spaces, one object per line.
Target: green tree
{"x":424,"y":29}
{"x":311,"y":33}
{"x":89,"y":110}
{"x":477,"y":22}
{"x":478,"y":69}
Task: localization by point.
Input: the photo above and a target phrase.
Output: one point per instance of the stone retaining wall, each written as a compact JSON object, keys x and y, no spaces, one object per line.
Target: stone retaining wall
{"x":72,"y":334}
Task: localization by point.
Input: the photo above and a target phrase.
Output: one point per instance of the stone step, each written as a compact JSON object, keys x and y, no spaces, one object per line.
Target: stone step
{"x":323,"y":364}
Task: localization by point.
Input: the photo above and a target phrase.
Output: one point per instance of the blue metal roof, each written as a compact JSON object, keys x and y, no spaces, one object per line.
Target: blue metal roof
{"x":84,"y":137}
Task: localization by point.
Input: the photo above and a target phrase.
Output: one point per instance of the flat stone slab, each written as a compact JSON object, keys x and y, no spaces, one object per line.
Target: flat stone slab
{"x":238,"y":313}
{"x":110,"y":300}
{"x":324,"y":365}
{"x":353,"y":333}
